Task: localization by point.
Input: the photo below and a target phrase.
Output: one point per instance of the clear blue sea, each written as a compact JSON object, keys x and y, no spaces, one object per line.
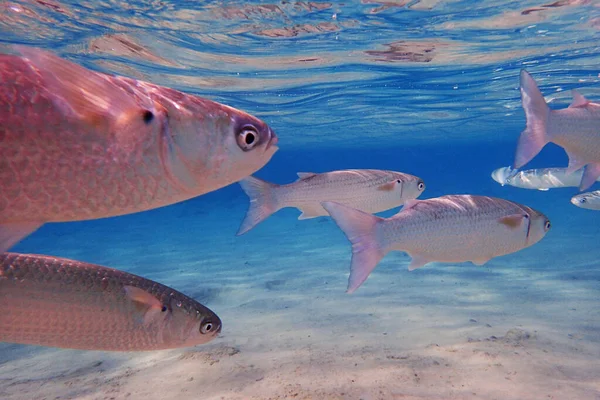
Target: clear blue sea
{"x":429,"y":88}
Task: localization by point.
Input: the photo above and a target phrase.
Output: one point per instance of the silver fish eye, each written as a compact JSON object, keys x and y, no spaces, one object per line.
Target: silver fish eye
{"x":547,"y":225}
{"x":421,"y":186}
{"x":247,"y":138}
{"x":207,"y":327}
{"x":582,"y":200}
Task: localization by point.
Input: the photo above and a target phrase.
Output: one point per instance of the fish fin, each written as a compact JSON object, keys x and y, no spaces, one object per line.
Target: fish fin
{"x":387,"y":187}
{"x":590,"y":174}
{"x":481,"y":261}
{"x":579,"y":100}
{"x":360,"y":229}
{"x":305,"y":175}
{"x":89,"y":96}
{"x":312,"y":211}
{"x":535,"y":135}
{"x":262,"y":202}
{"x":417,"y":261}
{"x":408,"y":204}
{"x":575,"y":163}
{"x":513,"y":221}
{"x":12,"y":233}
{"x":147,"y":305}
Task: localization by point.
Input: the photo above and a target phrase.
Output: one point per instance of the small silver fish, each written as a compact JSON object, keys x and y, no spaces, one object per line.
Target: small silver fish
{"x":369,"y":190}
{"x":540,"y":179}
{"x":454,"y":228}
{"x":589,"y":200}
{"x":576,"y":129}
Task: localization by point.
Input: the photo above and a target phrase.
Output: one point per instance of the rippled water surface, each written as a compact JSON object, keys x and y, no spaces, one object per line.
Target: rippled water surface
{"x":336,"y":73}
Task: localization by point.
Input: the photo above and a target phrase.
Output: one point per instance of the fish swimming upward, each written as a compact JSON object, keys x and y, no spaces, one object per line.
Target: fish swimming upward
{"x":540,"y":179}
{"x":589,"y":201}
{"x":50,"y":301}
{"x":576,"y":129}
{"x":77,"y":144}
{"x":451,"y":229}
{"x":369,"y":190}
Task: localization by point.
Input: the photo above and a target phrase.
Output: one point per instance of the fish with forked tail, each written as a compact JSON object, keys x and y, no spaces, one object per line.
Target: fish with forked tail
{"x":576,"y":129}
{"x":56,"y":302}
{"x":369,"y":190}
{"x":453,"y":228}
{"x":77,"y":144}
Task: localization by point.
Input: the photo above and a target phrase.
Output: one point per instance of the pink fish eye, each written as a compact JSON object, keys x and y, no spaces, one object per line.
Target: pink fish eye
{"x":207,"y":327}
{"x":248,"y":137}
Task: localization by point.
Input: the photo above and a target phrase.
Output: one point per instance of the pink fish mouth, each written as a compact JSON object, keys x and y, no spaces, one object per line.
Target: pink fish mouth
{"x":273,"y":140}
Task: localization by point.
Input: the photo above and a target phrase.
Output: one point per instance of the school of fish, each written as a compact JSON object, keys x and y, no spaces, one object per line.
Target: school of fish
{"x":576,"y":129}
{"x":77,"y":144}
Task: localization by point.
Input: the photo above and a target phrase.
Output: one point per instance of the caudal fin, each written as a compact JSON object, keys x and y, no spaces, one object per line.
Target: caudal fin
{"x":591,"y":173}
{"x":361,"y":230}
{"x":262,"y":202}
{"x":535,"y":135}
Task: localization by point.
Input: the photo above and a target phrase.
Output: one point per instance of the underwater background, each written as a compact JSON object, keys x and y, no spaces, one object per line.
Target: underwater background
{"x":430,"y":88}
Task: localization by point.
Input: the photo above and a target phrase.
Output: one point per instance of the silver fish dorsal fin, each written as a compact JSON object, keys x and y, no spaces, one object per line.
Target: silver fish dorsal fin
{"x":579,"y":100}
{"x":305,"y":175}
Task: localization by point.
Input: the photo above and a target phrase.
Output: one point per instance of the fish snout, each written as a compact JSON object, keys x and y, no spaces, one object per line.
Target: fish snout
{"x":273,"y":140}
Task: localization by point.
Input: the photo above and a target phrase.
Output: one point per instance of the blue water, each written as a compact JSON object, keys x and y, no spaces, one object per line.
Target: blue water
{"x":425,"y":87}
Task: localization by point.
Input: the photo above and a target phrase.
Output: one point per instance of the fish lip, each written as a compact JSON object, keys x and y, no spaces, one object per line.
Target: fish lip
{"x":273,"y":140}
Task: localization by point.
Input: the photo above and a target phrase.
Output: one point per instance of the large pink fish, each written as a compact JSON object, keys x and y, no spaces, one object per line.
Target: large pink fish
{"x":50,"y":301}
{"x":576,"y":129}
{"x":452,"y":228}
{"x":77,"y":144}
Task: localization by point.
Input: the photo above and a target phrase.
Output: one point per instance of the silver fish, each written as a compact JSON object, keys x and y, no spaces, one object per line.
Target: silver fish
{"x":576,"y":129}
{"x":589,"y":200}
{"x":453,"y":228}
{"x":369,"y":190}
{"x":57,"y":302}
{"x":540,"y":179}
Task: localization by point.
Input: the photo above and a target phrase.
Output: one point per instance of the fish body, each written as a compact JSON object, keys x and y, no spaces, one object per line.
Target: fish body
{"x":369,"y":190}
{"x":56,"y":302}
{"x":77,"y":144}
{"x":540,"y":179}
{"x":589,"y":200}
{"x":576,"y":129}
{"x":451,"y":229}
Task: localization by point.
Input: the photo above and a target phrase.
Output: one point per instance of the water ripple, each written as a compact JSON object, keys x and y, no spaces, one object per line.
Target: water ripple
{"x":359,"y":72}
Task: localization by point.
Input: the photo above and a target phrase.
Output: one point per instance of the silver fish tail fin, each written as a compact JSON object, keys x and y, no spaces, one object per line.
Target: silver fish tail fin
{"x":535,"y":135}
{"x":262,"y":202}
{"x":590,"y":174}
{"x":360,"y":229}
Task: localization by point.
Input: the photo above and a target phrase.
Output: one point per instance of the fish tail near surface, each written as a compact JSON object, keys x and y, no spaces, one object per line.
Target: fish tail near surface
{"x":262,"y":202}
{"x":360,"y":229}
{"x":535,"y":135}
{"x":590,"y":174}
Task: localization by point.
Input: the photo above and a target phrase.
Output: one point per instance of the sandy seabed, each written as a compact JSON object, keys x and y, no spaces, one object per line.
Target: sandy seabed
{"x":524,"y":326}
